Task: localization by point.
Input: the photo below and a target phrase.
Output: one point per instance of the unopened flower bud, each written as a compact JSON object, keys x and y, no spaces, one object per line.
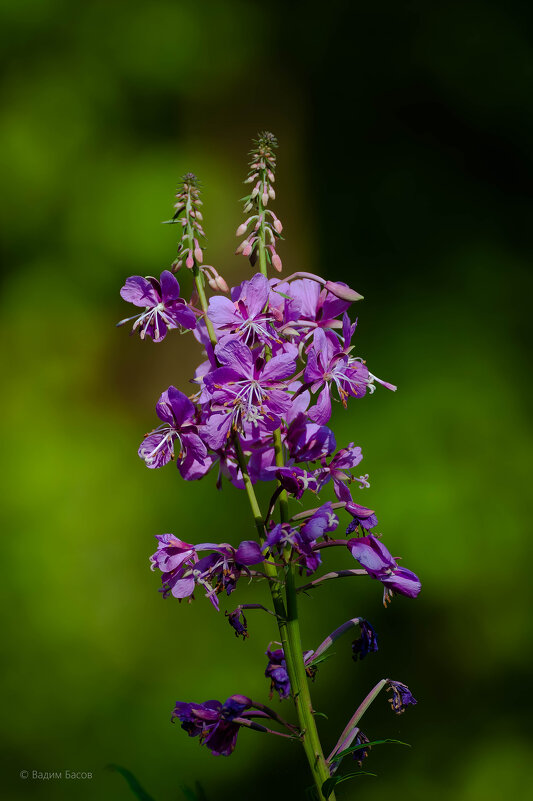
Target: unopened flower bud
{"x":276,"y":262}
{"x":190,"y":261}
{"x":255,"y":190}
{"x":271,"y":192}
{"x":265,"y":198}
{"x":241,"y":229}
{"x":221,"y":284}
{"x":248,"y":207}
{"x":343,"y":292}
{"x":198,"y":255}
{"x":247,"y":249}
{"x":277,"y":225}
{"x":271,"y":176}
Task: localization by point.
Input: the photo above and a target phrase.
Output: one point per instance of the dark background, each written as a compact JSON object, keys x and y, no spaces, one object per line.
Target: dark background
{"x":405,"y":169}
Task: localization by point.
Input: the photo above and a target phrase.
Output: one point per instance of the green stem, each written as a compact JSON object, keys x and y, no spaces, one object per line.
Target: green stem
{"x":199,"y":279}
{"x":261,"y":236}
{"x":299,"y":683}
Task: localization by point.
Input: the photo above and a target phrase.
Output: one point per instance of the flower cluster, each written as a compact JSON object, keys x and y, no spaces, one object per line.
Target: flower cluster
{"x":277,"y":355}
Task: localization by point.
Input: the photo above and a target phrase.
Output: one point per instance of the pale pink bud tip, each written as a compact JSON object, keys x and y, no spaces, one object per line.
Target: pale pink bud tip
{"x":221,"y":284}
{"x":278,"y":226}
{"x":241,"y":229}
{"x":198,"y":255}
{"x":190,"y":261}
{"x":276,"y":262}
{"x":343,"y":292}
{"x":265,"y":199}
{"x":247,"y":249}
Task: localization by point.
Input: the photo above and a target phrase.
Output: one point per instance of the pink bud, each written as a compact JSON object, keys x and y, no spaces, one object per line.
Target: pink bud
{"x":343,"y":292}
{"x":248,"y":207}
{"x":221,"y":284}
{"x":241,"y":229}
{"x":271,"y":192}
{"x":255,"y":190}
{"x":277,"y":225}
{"x":276,"y":262}
{"x":271,"y":176}
{"x":198,"y":255}
{"x":190,"y":261}
{"x":265,"y":198}
{"x":199,"y":215}
{"x":212,"y":283}
{"x":247,"y":249}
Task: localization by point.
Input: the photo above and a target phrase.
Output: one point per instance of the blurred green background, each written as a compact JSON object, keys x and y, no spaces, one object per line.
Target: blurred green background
{"x":405,"y":168}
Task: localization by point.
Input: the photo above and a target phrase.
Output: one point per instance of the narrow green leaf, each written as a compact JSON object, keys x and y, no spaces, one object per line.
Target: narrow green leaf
{"x":133,"y":783}
{"x":194,"y":795}
{"x":320,"y":715}
{"x":362,"y":746}
{"x":330,"y":784}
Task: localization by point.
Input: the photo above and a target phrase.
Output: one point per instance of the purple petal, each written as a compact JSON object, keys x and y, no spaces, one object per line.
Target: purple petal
{"x":139,"y":291}
{"x":170,"y":289}
{"x":248,"y":553}
{"x":403,"y":581}
{"x":182,"y":407}
{"x":256,"y":294}
{"x":371,"y":553}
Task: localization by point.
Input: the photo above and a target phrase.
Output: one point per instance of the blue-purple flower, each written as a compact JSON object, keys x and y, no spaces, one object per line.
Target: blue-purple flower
{"x":367,"y":643}
{"x":216,"y":724}
{"x":163,"y":307}
{"x":401,"y":696}
{"x":380,"y":565}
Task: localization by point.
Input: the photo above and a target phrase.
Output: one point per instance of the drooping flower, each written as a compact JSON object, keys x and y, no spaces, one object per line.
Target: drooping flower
{"x":238,"y":622}
{"x":219,"y":571}
{"x":401,"y":696}
{"x":276,"y":671}
{"x":307,"y":442}
{"x":366,"y":518}
{"x":163,"y":307}
{"x":178,"y":415}
{"x":213,"y":722}
{"x":380,"y":565}
{"x":367,"y":643}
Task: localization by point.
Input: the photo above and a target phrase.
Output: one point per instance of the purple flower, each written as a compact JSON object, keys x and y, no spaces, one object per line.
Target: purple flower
{"x":245,"y":391}
{"x":238,"y":622}
{"x":322,"y":522}
{"x":244,"y":316}
{"x":367,"y":642}
{"x":217,"y":572}
{"x":213,"y":722}
{"x":283,"y":534}
{"x":177,"y":413}
{"x":401,"y":696}
{"x":296,"y":481}
{"x":328,"y":364}
{"x":163,"y":307}
{"x":307,"y":441}
{"x":337,"y":469}
{"x":379,"y":564}
{"x":276,"y":671}
{"x":362,"y":516}
{"x":361,"y":753}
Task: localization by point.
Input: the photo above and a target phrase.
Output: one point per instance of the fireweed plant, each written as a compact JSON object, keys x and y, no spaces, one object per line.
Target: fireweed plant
{"x":277,"y":352}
